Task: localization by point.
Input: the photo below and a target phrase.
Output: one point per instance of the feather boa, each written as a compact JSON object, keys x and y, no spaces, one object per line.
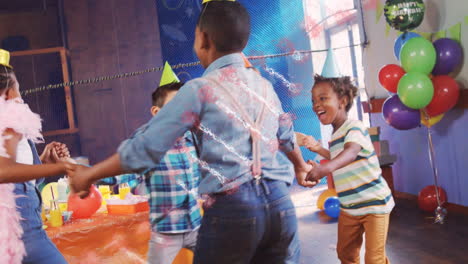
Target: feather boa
{"x":11,"y":246}
{"x":16,"y":115}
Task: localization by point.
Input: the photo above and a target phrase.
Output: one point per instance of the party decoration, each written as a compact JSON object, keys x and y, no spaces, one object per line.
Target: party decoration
{"x":5,"y":58}
{"x":84,"y":208}
{"x":379,"y":11}
{"x":439,"y":35}
{"x":330,"y":69}
{"x":455,"y":32}
{"x":415,"y":90}
{"x":401,"y":40}
{"x":398,"y":115}
{"x":389,"y":76}
{"x":332,"y":207}
{"x":449,"y":56}
{"x":440,"y":196}
{"x":430,"y":121}
{"x":446,"y":94}
{"x":168,"y":76}
{"x":418,"y":55}
{"x":247,"y":63}
{"x":404,"y":15}
{"x":427,"y":198}
{"x":324,"y":196}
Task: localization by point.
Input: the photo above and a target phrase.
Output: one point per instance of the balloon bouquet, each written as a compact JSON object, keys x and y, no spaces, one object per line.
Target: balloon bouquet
{"x":422,"y":89}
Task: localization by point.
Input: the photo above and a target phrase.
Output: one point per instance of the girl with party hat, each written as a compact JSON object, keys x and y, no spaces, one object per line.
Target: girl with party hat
{"x":22,"y":238}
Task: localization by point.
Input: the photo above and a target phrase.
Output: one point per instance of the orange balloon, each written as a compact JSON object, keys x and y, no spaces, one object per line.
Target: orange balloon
{"x":323,"y":196}
{"x":185,"y":256}
{"x":84,"y":208}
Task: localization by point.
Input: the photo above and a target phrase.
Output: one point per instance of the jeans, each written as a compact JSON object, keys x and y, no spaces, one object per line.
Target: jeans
{"x":164,"y":247}
{"x":39,"y":248}
{"x":254,"y":224}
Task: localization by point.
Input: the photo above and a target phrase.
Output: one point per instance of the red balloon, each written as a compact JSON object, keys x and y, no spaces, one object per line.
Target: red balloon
{"x":84,"y":208}
{"x":389,"y":76}
{"x":427,"y":199}
{"x":446,"y":93}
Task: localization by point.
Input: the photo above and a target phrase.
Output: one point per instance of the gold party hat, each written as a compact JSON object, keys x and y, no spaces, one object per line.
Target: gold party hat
{"x":5,"y":58}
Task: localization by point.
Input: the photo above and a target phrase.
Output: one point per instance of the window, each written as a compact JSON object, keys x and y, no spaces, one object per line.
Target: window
{"x":336,"y":24}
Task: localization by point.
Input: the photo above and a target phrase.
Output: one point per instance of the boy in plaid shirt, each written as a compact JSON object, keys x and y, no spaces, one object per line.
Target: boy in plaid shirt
{"x":173,"y":188}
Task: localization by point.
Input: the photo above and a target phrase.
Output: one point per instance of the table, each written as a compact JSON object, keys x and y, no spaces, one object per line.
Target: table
{"x":106,"y":239}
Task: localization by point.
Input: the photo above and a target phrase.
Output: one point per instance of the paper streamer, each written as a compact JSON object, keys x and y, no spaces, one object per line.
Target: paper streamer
{"x":439,"y":35}
{"x":379,"y":11}
{"x":455,"y":32}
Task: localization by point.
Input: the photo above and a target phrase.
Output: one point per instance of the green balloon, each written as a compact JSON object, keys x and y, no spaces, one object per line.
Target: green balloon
{"x":404,"y":15}
{"x":415,"y":90}
{"x":418,"y":55}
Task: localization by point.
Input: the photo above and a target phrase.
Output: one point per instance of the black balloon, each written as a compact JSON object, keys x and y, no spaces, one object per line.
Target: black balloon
{"x":404,"y":15}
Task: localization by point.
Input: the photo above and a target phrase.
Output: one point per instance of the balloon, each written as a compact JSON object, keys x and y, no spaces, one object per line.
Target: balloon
{"x":418,"y":55}
{"x":323,"y":196}
{"x":389,"y":76}
{"x":401,"y":40}
{"x":398,"y":115}
{"x":404,"y":15}
{"x":430,"y":121}
{"x":332,"y":207}
{"x":446,"y":93}
{"x":449,"y":56}
{"x":415,"y":90}
{"x":84,"y":208}
{"x":427,"y":199}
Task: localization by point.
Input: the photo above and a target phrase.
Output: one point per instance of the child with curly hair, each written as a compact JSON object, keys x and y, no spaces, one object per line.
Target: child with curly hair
{"x":365,"y":198}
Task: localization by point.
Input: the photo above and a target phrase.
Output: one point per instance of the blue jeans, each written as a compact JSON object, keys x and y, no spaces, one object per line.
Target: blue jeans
{"x":39,"y":248}
{"x":255,"y":224}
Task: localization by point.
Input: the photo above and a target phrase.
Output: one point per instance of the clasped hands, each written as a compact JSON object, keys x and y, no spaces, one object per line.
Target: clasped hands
{"x":311,"y":174}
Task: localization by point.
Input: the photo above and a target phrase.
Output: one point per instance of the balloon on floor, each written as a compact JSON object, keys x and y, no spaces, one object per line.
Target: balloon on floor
{"x":332,"y":207}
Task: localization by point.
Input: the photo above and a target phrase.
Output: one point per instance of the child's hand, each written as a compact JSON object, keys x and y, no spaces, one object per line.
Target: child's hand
{"x":300,"y":138}
{"x":318,"y":171}
{"x":79,"y":177}
{"x":54,"y":152}
{"x":311,"y":144}
{"x":301,"y":175}
{"x":62,"y":150}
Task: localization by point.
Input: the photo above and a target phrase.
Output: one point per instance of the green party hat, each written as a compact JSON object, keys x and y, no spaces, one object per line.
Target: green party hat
{"x":168,"y":75}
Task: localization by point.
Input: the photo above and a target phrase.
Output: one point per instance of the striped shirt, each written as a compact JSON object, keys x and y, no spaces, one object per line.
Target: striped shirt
{"x":360,"y":186}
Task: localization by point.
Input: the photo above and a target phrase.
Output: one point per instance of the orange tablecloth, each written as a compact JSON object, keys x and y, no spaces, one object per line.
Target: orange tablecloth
{"x":107,"y":239}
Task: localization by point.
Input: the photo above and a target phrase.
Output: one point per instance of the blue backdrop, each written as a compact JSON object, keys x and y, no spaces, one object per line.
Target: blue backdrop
{"x":276,"y":28}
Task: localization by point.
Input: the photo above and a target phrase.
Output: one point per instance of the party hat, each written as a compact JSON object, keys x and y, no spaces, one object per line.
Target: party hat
{"x":206,"y":1}
{"x":5,"y":58}
{"x":168,"y":75}
{"x":330,"y":69}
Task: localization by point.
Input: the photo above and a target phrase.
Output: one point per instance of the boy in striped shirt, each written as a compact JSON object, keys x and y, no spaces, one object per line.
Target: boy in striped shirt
{"x":365,"y":198}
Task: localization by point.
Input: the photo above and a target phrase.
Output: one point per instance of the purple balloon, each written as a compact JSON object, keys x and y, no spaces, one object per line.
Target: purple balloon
{"x":400,"y":116}
{"x":449,"y":56}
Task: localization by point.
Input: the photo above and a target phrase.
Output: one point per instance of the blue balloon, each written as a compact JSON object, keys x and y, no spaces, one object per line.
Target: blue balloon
{"x":332,"y":207}
{"x":401,"y":40}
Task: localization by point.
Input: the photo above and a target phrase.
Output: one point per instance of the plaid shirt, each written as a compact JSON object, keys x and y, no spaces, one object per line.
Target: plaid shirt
{"x":173,"y":188}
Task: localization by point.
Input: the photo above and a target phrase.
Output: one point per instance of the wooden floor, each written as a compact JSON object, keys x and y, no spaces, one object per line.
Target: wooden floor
{"x":413,"y":238}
